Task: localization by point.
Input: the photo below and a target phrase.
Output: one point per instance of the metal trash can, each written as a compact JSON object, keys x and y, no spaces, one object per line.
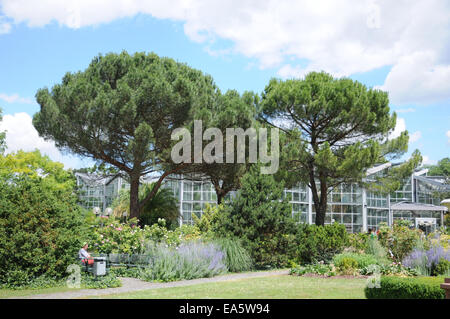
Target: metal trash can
{"x":99,"y":268}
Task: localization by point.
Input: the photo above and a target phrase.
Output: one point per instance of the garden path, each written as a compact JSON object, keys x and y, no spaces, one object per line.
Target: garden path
{"x":133,"y":284}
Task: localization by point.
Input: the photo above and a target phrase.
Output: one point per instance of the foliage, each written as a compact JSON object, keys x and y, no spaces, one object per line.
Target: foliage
{"x":375,"y":249}
{"x":207,"y":221}
{"x":433,"y":261}
{"x":262,"y":222}
{"x":441,"y":169}
{"x":40,"y":229}
{"x":392,"y":269}
{"x":237,"y":259}
{"x":128,"y":238}
{"x":122,"y":110}
{"x":231,"y":110}
{"x":399,"y":239}
{"x":112,"y":236}
{"x":33,"y":283}
{"x":358,"y":241}
{"x":37,"y":166}
{"x":108,"y":281}
{"x":407,"y":288}
{"x":347,"y":265}
{"x":188,"y":261}
{"x":357,"y":260}
{"x":162,"y":205}
{"x":320,"y":243}
{"x":317,"y":268}
{"x":341,"y":128}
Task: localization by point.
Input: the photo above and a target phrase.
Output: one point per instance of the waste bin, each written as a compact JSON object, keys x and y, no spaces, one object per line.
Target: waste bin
{"x":99,"y":268}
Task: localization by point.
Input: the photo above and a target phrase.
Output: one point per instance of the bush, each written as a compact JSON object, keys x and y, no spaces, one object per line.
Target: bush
{"x":317,"y":268}
{"x":358,"y":241}
{"x":360,"y":260}
{"x":428,"y":262}
{"x":40,"y":229}
{"x":399,"y":239}
{"x":320,"y":243}
{"x":189,"y":261}
{"x":262,"y":222}
{"x":237,"y":259}
{"x":108,"y":281}
{"x":128,"y":238}
{"x":407,"y":288}
{"x":375,"y":249}
{"x":441,"y":268}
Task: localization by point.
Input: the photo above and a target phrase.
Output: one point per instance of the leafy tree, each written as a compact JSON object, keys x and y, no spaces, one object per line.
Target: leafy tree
{"x":340,"y":127}
{"x":121,"y":111}
{"x":41,"y":225}
{"x":441,"y":169}
{"x":262,"y":222}
{"x":38,"y":166}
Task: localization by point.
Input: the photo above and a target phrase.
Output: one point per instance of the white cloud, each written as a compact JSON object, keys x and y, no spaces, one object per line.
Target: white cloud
{"x":15,"y":98}
{"x":400,"y":126}
{"x":427,"y":161}
{"x":418,"y":78}
{"x":21,"y":135}
{"x":408,"y":110}
{"x":5,"y":27}
{"x":448,"y":136}
{"x":414,"y":137}
{"x":341,"y":37}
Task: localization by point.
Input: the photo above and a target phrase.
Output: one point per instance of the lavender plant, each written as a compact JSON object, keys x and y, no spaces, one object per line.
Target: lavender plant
{"x":432,"y":261}
{"x":187,"y":261}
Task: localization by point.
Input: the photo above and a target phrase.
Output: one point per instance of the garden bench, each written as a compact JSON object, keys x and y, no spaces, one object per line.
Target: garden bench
{"x":129,"y":261}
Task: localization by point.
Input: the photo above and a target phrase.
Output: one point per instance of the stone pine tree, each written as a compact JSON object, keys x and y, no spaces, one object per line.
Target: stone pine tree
{"x":340,"y":129}
{"x":121,"y":111}
{"x":235,"y":111}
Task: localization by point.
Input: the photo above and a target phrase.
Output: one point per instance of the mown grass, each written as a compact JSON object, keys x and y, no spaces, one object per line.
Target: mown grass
{"x":10,"y":293}
{"x":275,"y":287}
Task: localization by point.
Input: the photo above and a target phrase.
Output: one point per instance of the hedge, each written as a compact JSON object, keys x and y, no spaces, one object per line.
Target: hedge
{"x":407,"y":288}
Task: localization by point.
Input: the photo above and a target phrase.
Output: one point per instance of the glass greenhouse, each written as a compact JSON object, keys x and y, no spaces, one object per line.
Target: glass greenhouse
{"x":353,"y":205}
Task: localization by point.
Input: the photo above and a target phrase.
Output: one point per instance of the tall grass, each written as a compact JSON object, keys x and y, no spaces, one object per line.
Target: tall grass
{"x":237,"y":258}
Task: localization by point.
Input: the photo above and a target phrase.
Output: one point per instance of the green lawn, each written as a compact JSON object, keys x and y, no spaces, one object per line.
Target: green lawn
{"x":282,"y":287}
{"x":10,"y":293}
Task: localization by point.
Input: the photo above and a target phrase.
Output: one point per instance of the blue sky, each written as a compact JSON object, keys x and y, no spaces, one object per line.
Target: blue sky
{"x":401,"y":48}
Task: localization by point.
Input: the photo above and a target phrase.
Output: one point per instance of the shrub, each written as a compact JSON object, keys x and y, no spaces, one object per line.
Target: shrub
{"x":262,"y":222}
{"x":360,"y":260}
{"x":399,"y":239}
{"x":108,"y":281}
{"x":407,"y":288}
{"x":375,"y":249}
{"x":40,"y":229}
{"x":317,"y":268}
{"x":237,"y":259}
{"x":128,"y":238}
{"x":441,"y":268}
{"x":320,"y":243}
{"x":188,"y":261}
{"x":427,"y":261}
{"x":358,"y":241}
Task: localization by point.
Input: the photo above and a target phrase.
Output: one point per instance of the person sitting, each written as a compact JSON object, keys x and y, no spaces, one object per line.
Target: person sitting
{"x":84,"y":256}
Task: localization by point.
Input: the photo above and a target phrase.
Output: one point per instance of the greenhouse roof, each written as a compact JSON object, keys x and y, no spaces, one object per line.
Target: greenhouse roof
{"x":417,"y":207}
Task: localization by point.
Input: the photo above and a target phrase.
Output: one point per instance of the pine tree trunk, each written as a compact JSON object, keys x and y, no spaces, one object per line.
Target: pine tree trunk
{"x":134,"y":196}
